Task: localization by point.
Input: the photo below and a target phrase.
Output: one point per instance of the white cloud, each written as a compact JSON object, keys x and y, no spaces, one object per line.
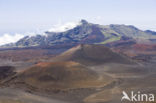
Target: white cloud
{"x":30,"y":34}
{"x":8,"y":38}
{"x":64,"y":27}
{"x":60,"y":27}
{"x":98,"y":18}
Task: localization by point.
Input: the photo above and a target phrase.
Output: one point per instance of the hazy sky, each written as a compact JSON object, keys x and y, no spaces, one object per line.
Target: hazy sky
{"x":19,"y":16}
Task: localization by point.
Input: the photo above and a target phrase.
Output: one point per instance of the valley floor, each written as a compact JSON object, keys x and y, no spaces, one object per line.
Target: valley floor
{"x":123,"y":77}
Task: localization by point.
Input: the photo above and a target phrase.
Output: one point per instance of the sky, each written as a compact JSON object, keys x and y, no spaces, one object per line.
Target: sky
{"x":22,"y":17}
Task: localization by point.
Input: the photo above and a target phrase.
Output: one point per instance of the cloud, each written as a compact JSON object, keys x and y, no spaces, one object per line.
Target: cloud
{"x":64,"y":27}
{"x":30,"y":34}
{"x":98,"y":18}
{"x":60,"y":27}
{"x":8,"y":38}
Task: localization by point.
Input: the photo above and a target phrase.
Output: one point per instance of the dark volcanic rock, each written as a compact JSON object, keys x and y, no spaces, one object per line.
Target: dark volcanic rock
{"x":6,"y":71}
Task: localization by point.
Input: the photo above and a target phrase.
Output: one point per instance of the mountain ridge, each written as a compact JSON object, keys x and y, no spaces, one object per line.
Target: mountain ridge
{"x":87,"y":33}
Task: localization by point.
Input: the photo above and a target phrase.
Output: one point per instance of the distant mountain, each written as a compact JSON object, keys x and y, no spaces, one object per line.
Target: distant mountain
{"x":86,"y":33}
{"x":151,"y":32}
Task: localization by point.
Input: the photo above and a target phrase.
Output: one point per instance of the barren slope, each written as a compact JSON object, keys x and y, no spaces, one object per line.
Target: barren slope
{"x":57,"y":76}
{"x":92,"y":55}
